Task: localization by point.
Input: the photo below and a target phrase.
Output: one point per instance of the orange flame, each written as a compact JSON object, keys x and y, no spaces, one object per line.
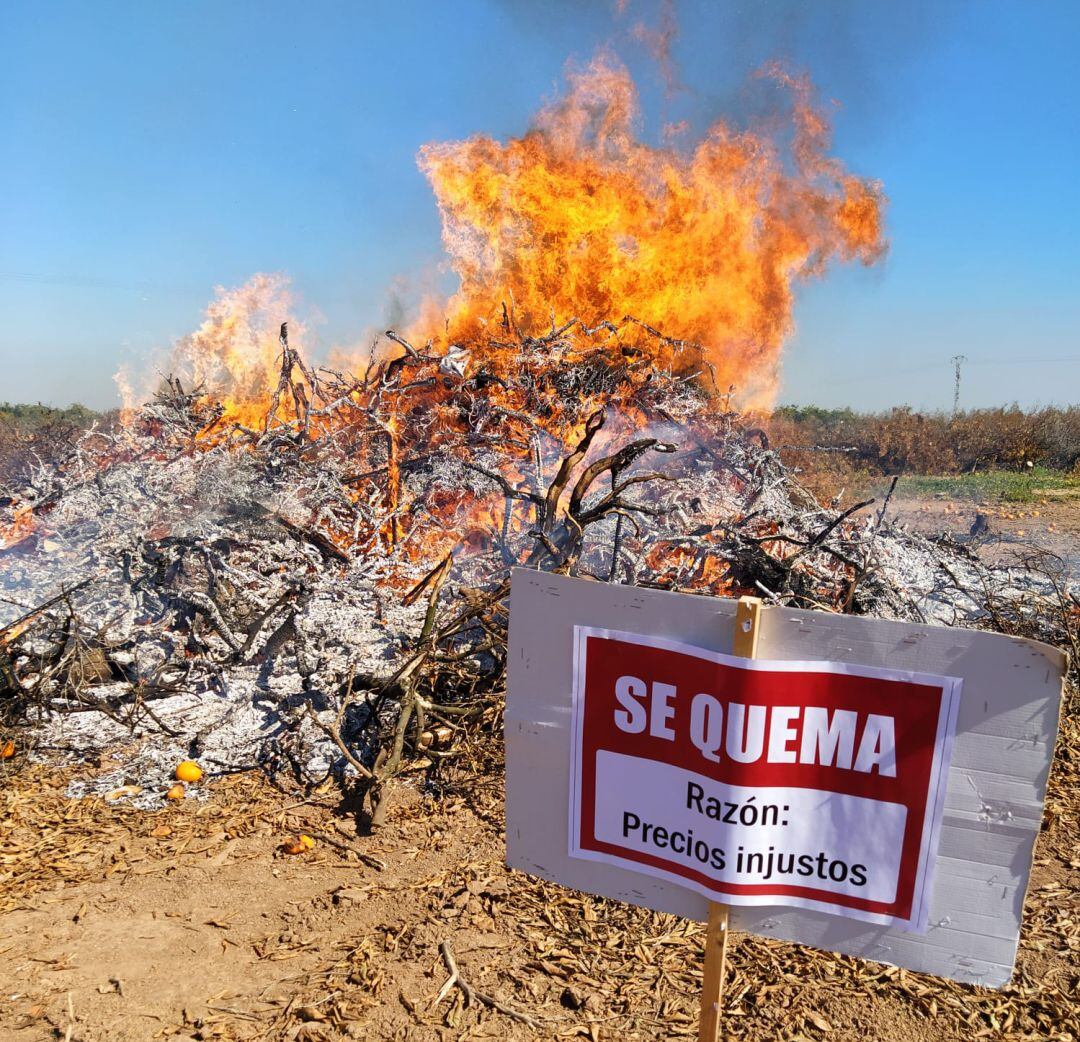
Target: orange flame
{"x":21,"y":526}
{"x":237,"y":344}
{"x":235,"y":355}
{"x":579,"y":218}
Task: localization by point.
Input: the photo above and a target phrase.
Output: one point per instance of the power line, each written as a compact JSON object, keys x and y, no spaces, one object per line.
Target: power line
{"x":911,"y":370}
{"x":1020,"y":361}
{"x":93,"y":282}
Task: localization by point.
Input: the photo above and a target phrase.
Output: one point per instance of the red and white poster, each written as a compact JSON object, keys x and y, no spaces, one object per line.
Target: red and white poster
{"x":755,"y":782}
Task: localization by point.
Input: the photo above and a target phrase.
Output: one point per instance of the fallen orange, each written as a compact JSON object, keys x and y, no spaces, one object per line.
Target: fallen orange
{"x":188,"y":771}
{"x":298,"y":844}
{"x":177,"y":792}
{"x":7,"y":750}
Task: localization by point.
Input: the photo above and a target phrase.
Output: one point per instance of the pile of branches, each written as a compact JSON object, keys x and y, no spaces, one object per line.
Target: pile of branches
{"x":324,"y":592}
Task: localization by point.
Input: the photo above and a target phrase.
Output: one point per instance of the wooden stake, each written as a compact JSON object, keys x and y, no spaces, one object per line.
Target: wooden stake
{"x":747,"y":618}
{"x":712,"y":981}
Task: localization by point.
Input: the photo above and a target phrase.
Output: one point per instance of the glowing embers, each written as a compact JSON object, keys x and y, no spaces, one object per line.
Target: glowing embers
{"x":20,"y":528}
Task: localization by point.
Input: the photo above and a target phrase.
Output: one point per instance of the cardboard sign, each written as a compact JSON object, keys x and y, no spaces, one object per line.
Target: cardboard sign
{"x":946,"y":898}
{"x":813,"y":784}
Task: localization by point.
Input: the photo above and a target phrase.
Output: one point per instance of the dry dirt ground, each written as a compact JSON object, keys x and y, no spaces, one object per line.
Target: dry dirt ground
{"x":1050,"y":524}
{"x":193,"y":923}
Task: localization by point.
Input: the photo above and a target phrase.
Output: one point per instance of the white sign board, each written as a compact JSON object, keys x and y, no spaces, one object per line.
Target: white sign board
{"x":813,"y":784}
{"x":868,"y":787}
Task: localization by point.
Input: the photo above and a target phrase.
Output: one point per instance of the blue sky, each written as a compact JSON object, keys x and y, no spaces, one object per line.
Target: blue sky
{"x":154,"y":150}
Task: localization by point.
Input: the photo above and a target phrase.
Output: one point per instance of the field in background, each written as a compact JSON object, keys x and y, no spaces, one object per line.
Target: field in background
{"x":902,"y":440}
{"x":985,"y":455}
{"x":1010,"y":486}
{"x":33,"y":433}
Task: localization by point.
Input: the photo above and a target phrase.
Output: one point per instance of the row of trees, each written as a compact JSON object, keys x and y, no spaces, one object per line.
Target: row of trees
{"x":937,"y":443}
{"x":900,"y":440}
{"x":30,"y":432}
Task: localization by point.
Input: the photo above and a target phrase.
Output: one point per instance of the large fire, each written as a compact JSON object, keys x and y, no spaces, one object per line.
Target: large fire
{"x":601,"y":279}
{"x":580,"y":218}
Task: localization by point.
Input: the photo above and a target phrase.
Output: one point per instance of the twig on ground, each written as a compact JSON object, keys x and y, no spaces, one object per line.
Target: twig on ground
{"x":472,"y":994}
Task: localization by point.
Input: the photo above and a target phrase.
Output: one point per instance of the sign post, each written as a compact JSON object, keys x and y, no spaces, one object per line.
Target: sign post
{"x":747,"y":615}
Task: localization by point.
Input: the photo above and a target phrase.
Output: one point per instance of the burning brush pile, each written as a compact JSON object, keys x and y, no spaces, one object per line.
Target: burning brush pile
{"x":325,"y":591}
{"x":305,"y":569}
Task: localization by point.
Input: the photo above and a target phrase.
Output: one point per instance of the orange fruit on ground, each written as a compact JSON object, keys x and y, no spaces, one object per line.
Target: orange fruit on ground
{"x":298,"y":844}
{"x":7,"y":750}
{"x":188,"y":771}
{"x":177,"y":792}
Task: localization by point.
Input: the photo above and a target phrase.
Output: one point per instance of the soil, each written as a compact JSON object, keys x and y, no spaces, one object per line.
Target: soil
{"x":1011,"y":528}
{"x":192,"y":923}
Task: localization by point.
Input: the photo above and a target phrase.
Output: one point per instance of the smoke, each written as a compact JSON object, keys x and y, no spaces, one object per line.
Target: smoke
{"x":857,"y":53}
{"x":659,"y":41}
{"x":399,"y":305}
